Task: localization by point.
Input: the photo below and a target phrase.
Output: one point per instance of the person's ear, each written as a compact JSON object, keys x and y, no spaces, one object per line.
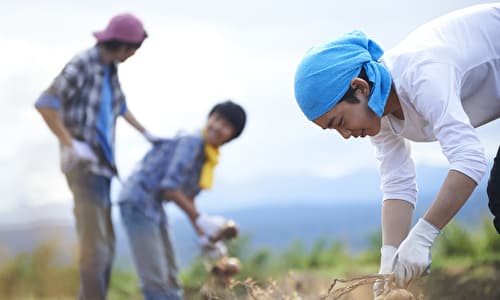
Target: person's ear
{"x":361,"y":85}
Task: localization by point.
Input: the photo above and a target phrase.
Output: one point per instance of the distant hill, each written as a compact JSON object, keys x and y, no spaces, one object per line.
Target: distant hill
{"x":272,"y":227}
{"x":273,"y":224}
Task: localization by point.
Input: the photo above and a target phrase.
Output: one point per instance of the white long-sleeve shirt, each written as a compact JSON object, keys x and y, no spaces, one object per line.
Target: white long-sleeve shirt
{"x":447,"y":77}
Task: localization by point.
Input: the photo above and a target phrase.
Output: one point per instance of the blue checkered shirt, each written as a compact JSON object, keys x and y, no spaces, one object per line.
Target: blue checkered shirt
{"x":172,"y":164}
{"x":79,"y":87}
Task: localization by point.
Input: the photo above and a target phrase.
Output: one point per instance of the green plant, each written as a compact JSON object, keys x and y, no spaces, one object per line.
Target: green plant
{"x":455,"y":240}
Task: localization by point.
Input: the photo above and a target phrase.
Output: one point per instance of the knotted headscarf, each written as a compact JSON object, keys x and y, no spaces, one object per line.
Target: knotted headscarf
{"x":324,"y":74}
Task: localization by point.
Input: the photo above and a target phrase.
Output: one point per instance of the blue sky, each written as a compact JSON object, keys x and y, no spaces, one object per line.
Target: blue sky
{"x":198,"y":53}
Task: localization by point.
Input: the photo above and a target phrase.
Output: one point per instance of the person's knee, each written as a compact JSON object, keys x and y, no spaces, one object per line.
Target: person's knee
{"x":493,"y":191}
{"x":96,"y":256}
{"x":494,"y":206}
{"x":156,"y":290}
{"x":154,"y":294}
{"x":496,"y":223}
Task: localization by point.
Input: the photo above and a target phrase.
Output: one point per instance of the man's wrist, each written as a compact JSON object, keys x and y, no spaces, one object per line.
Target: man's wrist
{"x":429,"y":226}
{"x":204,"y":240}
{"x":66,"y":141}
{"x":426,"y":230}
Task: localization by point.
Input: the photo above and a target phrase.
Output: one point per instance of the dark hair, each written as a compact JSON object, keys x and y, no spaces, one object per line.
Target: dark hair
{"x":233,"y":113}
{"x":349,"y":95}
{"x":113,"y":45}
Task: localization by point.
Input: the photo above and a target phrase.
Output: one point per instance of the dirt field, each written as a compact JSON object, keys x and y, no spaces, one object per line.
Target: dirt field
{"x":475,"y":283}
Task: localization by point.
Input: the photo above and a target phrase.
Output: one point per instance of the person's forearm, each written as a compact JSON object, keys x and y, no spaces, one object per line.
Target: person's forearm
{"x":456,"y":189}
{"x":396,"y":219}
{"x":186,"y":205}
{"x":53,"y":121}
{"x":129,"y":117}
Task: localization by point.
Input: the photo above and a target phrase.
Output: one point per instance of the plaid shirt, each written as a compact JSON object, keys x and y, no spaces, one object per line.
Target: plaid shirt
{"x":172,"y":164}
{"x":79,"y":88}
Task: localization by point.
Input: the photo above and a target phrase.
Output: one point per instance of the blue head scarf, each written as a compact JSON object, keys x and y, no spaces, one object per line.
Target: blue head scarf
{"x":325,"y":73}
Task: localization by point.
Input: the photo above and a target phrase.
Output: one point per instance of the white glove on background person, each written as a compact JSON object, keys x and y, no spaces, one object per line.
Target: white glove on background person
{"x":153,"y":139}
{"x":83,"y":151}
{"x":218,"y":250}
{"x":212,"y":250}
{"x":413,"y":256}
{"x":205,"y":241}
{"x":211,"y":225}
{"x":79,"y":151}
{"x":386,"y":258}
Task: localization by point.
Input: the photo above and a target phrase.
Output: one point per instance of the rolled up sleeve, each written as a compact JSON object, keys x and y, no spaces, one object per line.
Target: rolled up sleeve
{"x":397,"y":169}
{"x":48,"y":101}
{"x":438,"y":101}
{"x":123,"y":108}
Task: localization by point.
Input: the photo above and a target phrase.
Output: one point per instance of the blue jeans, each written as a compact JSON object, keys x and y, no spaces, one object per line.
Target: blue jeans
{"x":153,"y":254}
{"x":96,"y":238}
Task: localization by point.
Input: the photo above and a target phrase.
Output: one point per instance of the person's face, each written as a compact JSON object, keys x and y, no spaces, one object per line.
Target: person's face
{"x":352,"y":119}
{"x":218,"y":130}
{"x":124,"y":53}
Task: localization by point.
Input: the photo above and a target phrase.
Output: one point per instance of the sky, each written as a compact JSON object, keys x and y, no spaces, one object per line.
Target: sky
{"x":197,"y":54}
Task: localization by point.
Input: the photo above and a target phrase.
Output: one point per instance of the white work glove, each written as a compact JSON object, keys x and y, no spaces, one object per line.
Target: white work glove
{"x":211,"y":225}
{"x":205,"y":241}
{"x":212,"y":250}
{"x":217,"y":251}
{"x":78,"y":151}
{"x":153,"y":139}
{"x":83,"y":151}
{"x":413,"y":257}
{"x":386,"y":258}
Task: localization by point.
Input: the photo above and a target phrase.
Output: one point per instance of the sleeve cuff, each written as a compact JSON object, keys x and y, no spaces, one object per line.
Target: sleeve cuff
{"x":48,"y":101}
{"x":475,"y":170}
{"x":123,"y":109}
{"x":410,"y":199}
{"x":169,"y":185}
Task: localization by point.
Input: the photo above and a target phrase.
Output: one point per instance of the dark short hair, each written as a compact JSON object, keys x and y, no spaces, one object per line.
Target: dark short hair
{"x":113,"y":45}
{"x":233,"y":113}
{"x":349,"y":95}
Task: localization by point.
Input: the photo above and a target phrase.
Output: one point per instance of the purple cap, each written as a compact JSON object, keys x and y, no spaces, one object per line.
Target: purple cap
{"x":124,"y":28}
